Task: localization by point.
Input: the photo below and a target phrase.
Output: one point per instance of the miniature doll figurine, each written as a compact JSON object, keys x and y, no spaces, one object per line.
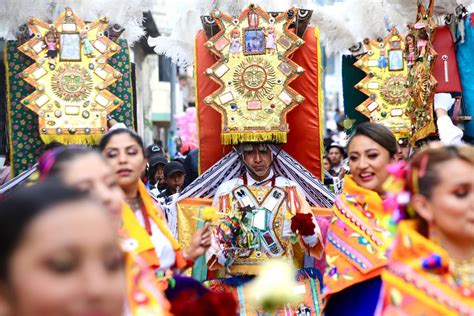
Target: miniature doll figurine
{"x":421,"y":42}
{"x":270,"y":39}
{"x":52,"y":45}
{"x":235,"y":46}
{"x":86,"y":45}
{"x":383,"y":60}
{"x":410,"y":49}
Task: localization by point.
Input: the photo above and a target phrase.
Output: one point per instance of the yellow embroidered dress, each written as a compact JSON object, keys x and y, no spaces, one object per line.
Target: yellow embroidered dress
{"x":357,"y":238}
{"x":139,"y":238}
{"x":418,"y":281}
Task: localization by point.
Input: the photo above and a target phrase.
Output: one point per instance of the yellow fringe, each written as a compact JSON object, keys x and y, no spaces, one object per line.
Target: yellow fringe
{"x":9,"y":112}
{"x":72,"y":139}
{"x":320,"y":101}
{"x":130,"y":88}
{"x":237,"y":138}
{"x":196,"y":97}
{"x":428,"y":130}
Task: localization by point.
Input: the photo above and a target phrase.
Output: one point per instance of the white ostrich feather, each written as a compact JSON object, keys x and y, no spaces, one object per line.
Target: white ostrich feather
{"x":341,"y":24}
{"x":366,"y":19}
{"x":181,"y":53}
{"x":179,"y":45}
{"x":14,"y":13}
{"x":127,"y":13}
{"x":333,"y":27}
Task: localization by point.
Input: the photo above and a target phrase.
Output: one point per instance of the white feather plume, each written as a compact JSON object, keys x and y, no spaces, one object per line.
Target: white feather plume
{"x":333,"y":27}
{"x":127,"y":13}
{"x":366,"y":19}
{"x":179,"y":45}
{"x":14,"y":13}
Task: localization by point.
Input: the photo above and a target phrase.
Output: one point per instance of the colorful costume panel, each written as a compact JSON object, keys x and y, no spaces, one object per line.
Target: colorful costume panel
{"x":143,"y":242}
{"x":356,"y":241}
{"x":256,"y":225}
{"x":418,"y":279}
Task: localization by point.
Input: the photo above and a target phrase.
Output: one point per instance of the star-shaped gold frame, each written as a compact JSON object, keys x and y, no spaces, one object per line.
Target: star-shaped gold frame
{"x":254,"y":71}
{"x":71,"y":96}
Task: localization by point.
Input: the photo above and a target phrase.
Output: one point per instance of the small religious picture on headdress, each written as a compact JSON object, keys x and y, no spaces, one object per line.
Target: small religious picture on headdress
{"x":395,"y":60}
{"x":70,"y":49}
{"x":254,"y":41}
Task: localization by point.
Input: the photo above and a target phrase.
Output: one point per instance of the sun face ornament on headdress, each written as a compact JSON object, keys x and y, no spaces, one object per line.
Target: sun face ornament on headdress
{"x":385,"y":84}
{"x":254,"y":71}
{"x":71,"y":76}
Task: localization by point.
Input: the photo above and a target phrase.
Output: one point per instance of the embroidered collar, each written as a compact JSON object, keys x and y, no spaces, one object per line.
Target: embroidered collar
{"x":419,"y":252}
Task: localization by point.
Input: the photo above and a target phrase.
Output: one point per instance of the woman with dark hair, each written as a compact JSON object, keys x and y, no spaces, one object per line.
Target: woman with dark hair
{"x":58,"y":255}
{"x":142,"y":218}
{"x":359,"y":235}
{"x":86,"y":170}
{"x":431,"y":266}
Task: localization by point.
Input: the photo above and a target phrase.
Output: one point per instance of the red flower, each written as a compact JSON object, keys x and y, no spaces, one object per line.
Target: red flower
{"x":209,"y":304}
{"x":303,"y":223}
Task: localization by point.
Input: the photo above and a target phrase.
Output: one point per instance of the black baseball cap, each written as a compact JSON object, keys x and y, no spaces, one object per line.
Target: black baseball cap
{"x":172,"y":167}
{"x":158,"y":160}
{"x":154,"y":149}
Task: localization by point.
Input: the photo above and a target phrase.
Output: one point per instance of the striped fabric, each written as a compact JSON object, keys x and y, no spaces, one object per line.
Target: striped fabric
{"x":16,"y":182}
{"x":231,"y":166}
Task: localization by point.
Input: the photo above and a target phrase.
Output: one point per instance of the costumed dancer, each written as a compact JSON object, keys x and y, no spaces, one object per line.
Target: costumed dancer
{"x":430,"y":269}
{"x":87,"y":171}
{"x":258,"y":187}
{"x":359,"y":234}
{"x":257,"y":158}
{"x":262,"y":211}
{"x":142,"y":218}
{"x":59,"y":254}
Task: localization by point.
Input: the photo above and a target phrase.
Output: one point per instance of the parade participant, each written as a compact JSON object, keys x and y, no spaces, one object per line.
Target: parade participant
{"x":174,"y":178}
{"x":87,"y":171}
{"x":283,"y":201}
{"x":265,"y":216}
{"x":430,"y":269}
{"x":358,"y":235}
{"x":449,"y":133}
{"x":142,"y":219}
{"x":336,"y":156}
{"x":59,"y":255}
{"x":326,"y":163}
{"x":156,"y":177}
{"x":174,"y":175}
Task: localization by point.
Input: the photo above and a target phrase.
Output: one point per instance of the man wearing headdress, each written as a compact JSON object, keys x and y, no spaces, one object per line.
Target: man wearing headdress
{"x":268,"y":209}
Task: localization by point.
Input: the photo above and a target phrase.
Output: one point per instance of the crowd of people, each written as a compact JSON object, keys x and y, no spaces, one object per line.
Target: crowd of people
{"x":96,"y":235}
